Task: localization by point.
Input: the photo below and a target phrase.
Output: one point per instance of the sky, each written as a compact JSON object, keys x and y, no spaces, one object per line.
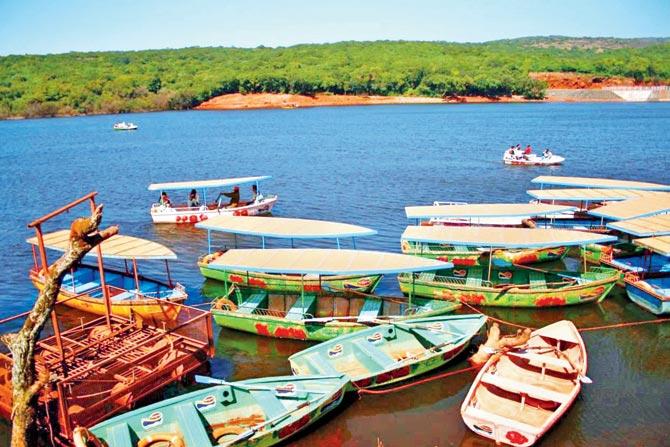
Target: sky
{"x":47,"y":26}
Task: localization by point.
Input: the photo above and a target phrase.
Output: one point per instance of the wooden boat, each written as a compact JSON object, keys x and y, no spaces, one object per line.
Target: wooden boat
{"x":256,"y":412}
{"x":501,"y":247}
{"x":601,"y":253}
{"x":187,"y":214}
{"x":287,"y":229}
{"x":317,"y":317}
{"x":520,"y":394}
{"x":391,"y":352}
{"x":129,"y":292}
{"x":512,"y":288}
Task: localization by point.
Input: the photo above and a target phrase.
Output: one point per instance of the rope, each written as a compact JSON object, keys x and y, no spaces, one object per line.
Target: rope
{"x":362,"y":391}
{"x":497,"y":320}
{"x":620,"y":325}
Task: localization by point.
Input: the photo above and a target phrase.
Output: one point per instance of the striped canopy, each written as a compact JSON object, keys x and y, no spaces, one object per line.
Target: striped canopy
{"x":282,"y":227}
{"x":634,"y":208}
{"x":200,"y":184}
{"x":321,"y":261}
{"x":485,"y":210}
{"x":116,"y":247}
{"x":645,"y":226}
{"x":603,"y":183}
{"x":495,"y":237}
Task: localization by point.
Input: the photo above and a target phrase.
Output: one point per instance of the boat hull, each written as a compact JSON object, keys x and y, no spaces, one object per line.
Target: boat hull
{"x":533,"y":160}
{"x":192,"y":215}
{"x":500,"y":259}
{"x":292,"y":283}
{"x":647,"y":298}
{"x":509,"y":296}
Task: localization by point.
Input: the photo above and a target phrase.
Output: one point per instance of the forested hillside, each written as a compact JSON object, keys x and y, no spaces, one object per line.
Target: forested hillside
{"x":112,"y":82}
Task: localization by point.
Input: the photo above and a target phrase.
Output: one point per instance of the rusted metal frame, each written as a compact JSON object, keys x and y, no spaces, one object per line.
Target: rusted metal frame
{"x":101,"y":270}
{"x":66,"y":428}
{"x":61,"y":210}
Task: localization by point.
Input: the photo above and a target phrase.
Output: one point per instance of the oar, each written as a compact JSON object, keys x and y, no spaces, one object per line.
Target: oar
{"x":212,"y":381}
{"x":418,"y":326}
{"x":535,"y":269}
{"x":547,"y":349}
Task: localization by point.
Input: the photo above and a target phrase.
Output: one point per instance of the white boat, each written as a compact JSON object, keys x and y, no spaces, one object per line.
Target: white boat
{"x":532,"y":160}
{"x":201,"y":209}
{"x":521,"y":393}
{"x":125,"y":126}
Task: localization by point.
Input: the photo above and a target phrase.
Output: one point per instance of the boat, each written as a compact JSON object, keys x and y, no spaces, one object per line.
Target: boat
{"x":652,"y":292}
{"x":521,"y":393}
{"x":488,"y":214}
{"x":255,"y":412}
{"x":527,"y":287}
{"x":129,"y":292}
{"x":502,"y":247}
{"x":285,"y":229}
{"x":318,"y":314}
{"x":189,"y":213}
{"x":532,"y":160}
{"x":598,"y":183}
{"x":125,"y":126}
{"x":392,"y":352}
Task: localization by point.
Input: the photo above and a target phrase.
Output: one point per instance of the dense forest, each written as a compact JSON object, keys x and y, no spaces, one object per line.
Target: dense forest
{"x":114,"y":82}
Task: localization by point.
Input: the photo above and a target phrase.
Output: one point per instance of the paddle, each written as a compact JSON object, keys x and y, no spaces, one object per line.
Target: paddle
{"x":418,"y":326}
{"x":212,"y":381}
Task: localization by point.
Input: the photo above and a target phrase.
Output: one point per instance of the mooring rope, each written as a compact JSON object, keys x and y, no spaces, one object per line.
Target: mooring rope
{"x":362,"y":391}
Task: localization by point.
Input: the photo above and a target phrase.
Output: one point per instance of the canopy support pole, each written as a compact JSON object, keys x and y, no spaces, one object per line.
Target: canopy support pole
{"x":353,"y":241}
{"x":292,"y":246}
{"x":204,"y":197}
{"x":302,"y":293}
{"x":584,"y":257}
{"x":209,"y":242}
{"x":490,"y":262}
{"x":167,"y":269}
{"x":137,"y":278}
{"x":411,"y":292}
{"x":338,"y":242}
{"x":235,"y":241}
{"x":263,"y":241}
{"x":103,"y":284}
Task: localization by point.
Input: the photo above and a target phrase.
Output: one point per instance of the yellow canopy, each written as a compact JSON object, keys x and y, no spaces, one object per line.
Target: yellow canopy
{"x":496,"y":237}
{"x":116,"y":247}
{"x":592,"y":182}
{"x":321,"y":261}
{"x":485,"y":210}
{"x":200,"y":184}
{"x":282,"y":227}
{"x":634,"y":208}
{"x":644,"y":226}
{"x":589,"y":195}
{"x":658,"y":244}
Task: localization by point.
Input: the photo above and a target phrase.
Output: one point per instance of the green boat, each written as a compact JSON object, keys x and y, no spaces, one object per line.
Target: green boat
{"x":316,"y":317}
{"x":512,"y":288}
{"x":599,"y":253}
{"x":392,"y":352}
{"x":285,"y":229}
{"x":256,"y":412}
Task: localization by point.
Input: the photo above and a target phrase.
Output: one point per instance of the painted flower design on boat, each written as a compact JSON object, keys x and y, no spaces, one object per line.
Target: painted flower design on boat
{"x":154,"y":420}
{"x":336,"y":350}
{"x":516,"y":438}
{"x":207,"y":403}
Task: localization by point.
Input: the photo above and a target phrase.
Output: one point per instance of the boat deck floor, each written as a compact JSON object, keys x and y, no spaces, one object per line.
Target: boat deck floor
{"x":494,"y":404}
{"x":509,"y":370}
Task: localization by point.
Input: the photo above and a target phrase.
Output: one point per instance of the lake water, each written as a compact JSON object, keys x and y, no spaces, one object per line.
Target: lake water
{"x":360,"y":165}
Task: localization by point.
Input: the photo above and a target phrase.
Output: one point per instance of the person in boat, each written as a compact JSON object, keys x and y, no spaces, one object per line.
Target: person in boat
{"x":527,"y":152}
{"x":234,"y":197}
{"x":510,"y":151}
{"x":547,"y":153}
{"x":254,"y":194}
{"x":165,"y":200}
{"x":193,"y":199}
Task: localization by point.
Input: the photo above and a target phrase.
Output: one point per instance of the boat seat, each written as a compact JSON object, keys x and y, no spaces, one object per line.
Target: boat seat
{"x":537,"y":280}
{"x":370,"y":310}
{"x":474,"y":277}
{"x":493,"y":418}
{"x":322,"y":367}
{"x":119,"y":434}
{"x":547,"y":360}
{"x":124,"y":296}
{"x":432,"y":338}
{"x":191,"y":425}
{"x":82,"y":288}
{"x":373,"y":353}
{"x":269,"y":402}
{"x":427,"y":276}
{"x":520,"y":387}
{"x":302,"y":306}
{"x":251,"y":303}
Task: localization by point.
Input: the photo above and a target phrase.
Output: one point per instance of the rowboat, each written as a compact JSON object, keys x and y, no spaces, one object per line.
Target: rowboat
{"x":520,"y":394}
{"x":196,"y":210}
{"x":124,"y":126}
{"x":391,"y":352}
{"x":129,"y":293}
{"x":502,"y":247}
{"x":512,"y":288}
{"x":318,"y":314}
{"x":532,"y":160}
{"x":256,"y":412}
{"x":211,"y":264}
{"x":489,"y":214}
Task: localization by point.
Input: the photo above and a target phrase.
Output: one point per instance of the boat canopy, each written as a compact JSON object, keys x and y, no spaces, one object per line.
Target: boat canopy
{"x":658,"y":244}
{"x":200,"y":184}
{"x":645,"y":226}
{"x":589,"y":195}
{"x":323,"y":261}
{"x":496,"y":237}
{"x":634,"y":208}
{"x":283,"y":227}
{"x":116,"y":247}
{"x":485,"y":210}
{"x":602,"y":183}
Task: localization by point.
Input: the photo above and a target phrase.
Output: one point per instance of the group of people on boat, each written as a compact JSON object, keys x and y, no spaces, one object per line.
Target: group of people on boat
{"x":193,"y":200}
{"x":524,"y":154}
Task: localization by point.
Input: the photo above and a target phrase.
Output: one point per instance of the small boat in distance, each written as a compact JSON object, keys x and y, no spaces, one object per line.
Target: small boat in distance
{"x":520,"y":394}
{"x":532,"y":160}
{"x":125,"y":126}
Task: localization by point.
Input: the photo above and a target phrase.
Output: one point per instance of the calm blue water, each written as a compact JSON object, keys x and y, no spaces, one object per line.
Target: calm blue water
{"x":359,"y":165}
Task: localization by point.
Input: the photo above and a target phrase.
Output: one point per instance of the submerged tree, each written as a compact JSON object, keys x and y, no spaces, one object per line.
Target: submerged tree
{"x":84,"y":235}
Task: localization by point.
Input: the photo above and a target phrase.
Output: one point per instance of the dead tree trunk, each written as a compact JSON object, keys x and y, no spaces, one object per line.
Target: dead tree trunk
{"x":84,"y":235}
